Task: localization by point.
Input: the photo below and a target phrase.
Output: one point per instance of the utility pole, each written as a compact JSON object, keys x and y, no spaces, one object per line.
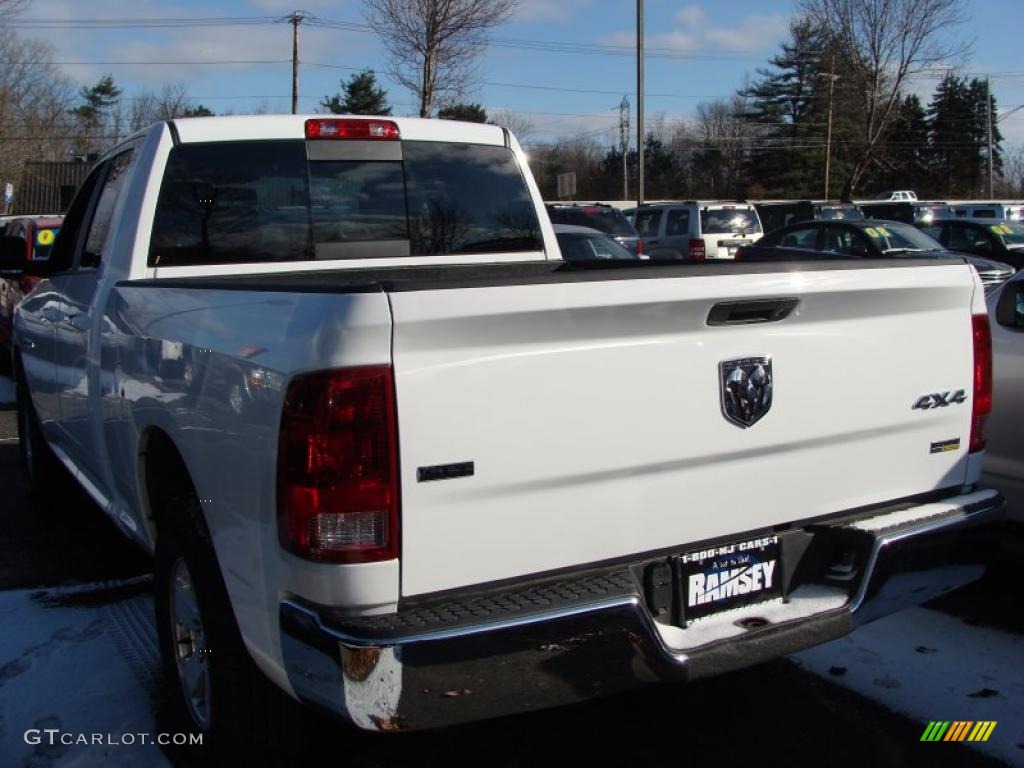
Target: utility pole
{"x":832,"y":77}
{"x":640,"y":102}
{"x":295,"y":19}
{"x":988,"y":111}
{"x":624,"y":144}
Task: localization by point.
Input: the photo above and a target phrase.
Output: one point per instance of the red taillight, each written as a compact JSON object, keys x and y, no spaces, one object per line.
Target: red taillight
{"x":337,"y":466}
{"x":334,"y":128}
{"x":695,"y":250}
{"x":982,"y":400}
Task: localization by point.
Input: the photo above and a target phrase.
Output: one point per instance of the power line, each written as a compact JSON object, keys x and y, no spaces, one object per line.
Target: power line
{"x":139,"y":23}
{"x":169,"y":63}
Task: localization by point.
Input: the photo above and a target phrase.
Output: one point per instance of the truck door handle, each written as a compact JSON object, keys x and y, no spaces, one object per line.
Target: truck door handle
{"x":753,"y":311}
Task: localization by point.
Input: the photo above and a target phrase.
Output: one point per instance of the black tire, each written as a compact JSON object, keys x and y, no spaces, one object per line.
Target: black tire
{"x":245,"y":711}
{"x":46,"y":478}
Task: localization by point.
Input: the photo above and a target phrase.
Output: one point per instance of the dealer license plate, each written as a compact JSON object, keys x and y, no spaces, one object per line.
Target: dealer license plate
{"x":726,"y":576}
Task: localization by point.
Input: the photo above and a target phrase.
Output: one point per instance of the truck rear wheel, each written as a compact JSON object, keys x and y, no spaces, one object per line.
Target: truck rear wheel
{"x":217,"y":688}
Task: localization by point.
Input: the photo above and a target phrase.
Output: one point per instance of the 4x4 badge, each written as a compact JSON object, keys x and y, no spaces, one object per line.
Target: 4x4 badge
{"x":940,"y":400}
{"x":746,"y":386}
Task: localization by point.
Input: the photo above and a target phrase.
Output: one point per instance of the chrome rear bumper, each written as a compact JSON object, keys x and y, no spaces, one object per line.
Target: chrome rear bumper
{"x":564,"y":640}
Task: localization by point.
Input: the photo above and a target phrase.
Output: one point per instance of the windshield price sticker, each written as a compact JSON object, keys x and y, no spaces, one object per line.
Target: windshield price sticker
{"x":873,"y":232}
{"x":46,"y":236}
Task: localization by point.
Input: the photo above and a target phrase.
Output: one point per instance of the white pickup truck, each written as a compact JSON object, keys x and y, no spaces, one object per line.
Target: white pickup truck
{"x":397,"y":458}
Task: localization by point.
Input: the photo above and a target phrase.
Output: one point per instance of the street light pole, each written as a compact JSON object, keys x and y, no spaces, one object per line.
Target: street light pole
{"x":988,"y":112}
{"x":832,"y":77}
{"x":640,"y":102}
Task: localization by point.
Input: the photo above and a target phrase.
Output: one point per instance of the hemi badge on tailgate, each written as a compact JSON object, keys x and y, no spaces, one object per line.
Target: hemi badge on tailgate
{"x":945,"y":446}
{"x":445,"y":471}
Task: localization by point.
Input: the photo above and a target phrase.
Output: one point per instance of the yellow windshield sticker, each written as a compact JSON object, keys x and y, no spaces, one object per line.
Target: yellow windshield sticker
{"x":45,"y":236}
{"x":884,"y":232}
{"x":872,"y":232}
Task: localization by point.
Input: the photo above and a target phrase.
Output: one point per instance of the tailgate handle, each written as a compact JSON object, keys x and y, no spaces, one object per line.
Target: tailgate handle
{"x":754,"y":311}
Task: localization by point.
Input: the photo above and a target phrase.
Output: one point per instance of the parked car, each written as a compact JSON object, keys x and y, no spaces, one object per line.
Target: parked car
{"x":998,"y":239}
{"x":908,"y":213}
{"x":977,"y":209}
{"x":775,"y":214}
{"x":37,"y":234}
{"x":601,"y":217}
{"x":696,"y":230}
{"x":904,"y":194}
{"x":385,"y":445}
{"x":587,"y":244}
{"x":867,"y":238}
{"x":1004,"y":457}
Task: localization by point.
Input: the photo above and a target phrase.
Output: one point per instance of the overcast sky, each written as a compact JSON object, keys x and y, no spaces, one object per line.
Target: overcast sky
{"x":699,"y":51}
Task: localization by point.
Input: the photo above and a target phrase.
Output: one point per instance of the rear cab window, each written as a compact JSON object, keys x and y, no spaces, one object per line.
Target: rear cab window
{"x":602,"y":218}
{"x":275,"y":200}
{"x":722,"y":221}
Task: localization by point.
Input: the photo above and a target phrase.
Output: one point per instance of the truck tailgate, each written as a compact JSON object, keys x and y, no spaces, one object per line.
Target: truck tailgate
{"x":592,"y":411}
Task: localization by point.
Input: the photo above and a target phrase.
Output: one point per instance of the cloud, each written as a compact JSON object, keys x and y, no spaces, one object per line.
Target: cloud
{"x":229,"y":43}
{"x":692,"y":31}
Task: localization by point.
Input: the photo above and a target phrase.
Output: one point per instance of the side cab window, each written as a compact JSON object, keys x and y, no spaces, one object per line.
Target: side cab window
{"x":801,"y":237}
{"x":87,"y":223}
{"x":648,"y":222}
{"x":678,"y":222}
{"x":103,"y":214}
{"x":63,"y":254}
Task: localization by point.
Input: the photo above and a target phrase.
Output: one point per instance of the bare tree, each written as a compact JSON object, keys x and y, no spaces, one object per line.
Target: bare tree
{"x":34,"y":102}
{"x":1011,"y":184}
{"x":885,"y":42}
{"x":173,"y":101}
{"x":10,"y":8}
{"x":434,"y":44}
{"x":519,"y":126}
{"x":725,"y":138}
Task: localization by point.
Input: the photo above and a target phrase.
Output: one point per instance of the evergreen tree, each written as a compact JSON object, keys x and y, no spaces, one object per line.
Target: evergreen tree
{"x":788,"y":113}
{"x":359,"y":96}
{"x":199,"y":110}
{"x":96,"y":107}
{"x":470,"y":113}
{"x":904,"y":161}
{"x":958,"y":132}
{"x":980,"y":110}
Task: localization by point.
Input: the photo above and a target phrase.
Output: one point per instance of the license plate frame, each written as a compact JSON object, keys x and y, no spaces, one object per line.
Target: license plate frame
{"x":721,"y":577}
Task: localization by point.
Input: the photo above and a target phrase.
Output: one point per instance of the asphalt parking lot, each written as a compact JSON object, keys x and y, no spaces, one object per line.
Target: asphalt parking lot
{"x":79,"y":654}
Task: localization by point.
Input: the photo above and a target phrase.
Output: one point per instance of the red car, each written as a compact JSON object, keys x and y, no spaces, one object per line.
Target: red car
{"x":38,"y":232}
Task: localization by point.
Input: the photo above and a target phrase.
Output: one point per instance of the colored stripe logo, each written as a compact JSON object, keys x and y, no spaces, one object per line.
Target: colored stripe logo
{"x":959,"y":730}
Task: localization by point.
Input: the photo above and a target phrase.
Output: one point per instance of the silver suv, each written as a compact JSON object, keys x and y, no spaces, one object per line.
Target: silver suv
{"x":696,"y":230}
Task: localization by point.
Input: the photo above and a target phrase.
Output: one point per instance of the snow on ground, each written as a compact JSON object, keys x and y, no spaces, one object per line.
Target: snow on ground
{"x":6,"y":390}
{"x":84,"y":660}
{"x":932,"y":666}
{"x":81,"y":665}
